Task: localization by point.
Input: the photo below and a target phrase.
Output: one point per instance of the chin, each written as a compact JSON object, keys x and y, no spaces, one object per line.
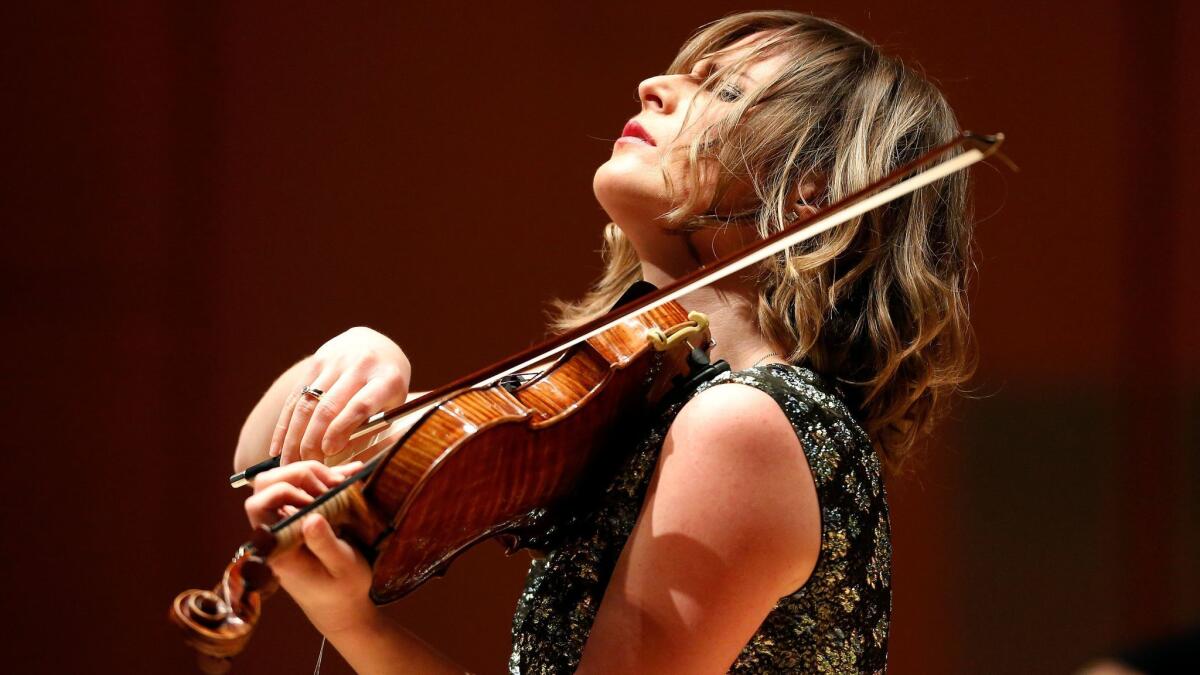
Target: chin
{"x":628,"y":189}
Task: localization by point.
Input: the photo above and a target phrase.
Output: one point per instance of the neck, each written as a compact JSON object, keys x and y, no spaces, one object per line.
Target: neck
{"x":729,"y":303}
{"x":730,"y":306}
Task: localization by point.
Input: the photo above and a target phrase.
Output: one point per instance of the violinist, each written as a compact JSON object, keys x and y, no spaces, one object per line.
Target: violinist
{"x":747,"y":528}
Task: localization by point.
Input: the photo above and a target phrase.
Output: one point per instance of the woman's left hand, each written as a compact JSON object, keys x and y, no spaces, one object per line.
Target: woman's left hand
{"x":326,"y":576}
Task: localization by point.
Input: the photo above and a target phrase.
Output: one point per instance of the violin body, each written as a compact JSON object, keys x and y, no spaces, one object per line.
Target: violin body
{"x":492,"y":460}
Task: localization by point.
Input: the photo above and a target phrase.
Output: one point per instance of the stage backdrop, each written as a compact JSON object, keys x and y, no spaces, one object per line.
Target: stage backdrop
{"x":199,"y":194}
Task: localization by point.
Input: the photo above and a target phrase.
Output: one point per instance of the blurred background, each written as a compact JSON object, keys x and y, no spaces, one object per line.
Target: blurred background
{"x":198,"y":194}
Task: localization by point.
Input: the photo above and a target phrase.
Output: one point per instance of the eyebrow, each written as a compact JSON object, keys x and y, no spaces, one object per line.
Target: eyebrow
{"x":711,"y":58}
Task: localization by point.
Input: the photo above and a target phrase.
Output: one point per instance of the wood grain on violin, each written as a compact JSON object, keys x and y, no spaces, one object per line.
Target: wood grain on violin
{"x":485,"y":461}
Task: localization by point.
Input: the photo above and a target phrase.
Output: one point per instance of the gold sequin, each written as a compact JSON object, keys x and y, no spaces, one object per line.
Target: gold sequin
{"x":836,"y":623}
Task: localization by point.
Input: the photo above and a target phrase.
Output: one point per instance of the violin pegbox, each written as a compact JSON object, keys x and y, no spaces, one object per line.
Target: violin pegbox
{"x":217,"y":624}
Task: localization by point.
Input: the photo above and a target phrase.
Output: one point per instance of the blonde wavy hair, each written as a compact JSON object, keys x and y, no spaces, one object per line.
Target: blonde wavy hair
{"x":877,"y":305}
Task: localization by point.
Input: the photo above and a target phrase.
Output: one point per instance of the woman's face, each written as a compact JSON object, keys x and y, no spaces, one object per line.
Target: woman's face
{"x":630,"y":185}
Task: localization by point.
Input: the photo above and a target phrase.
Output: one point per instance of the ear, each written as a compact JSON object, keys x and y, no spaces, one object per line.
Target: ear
{"x":806,"y":191}
{"x":802,"y":210}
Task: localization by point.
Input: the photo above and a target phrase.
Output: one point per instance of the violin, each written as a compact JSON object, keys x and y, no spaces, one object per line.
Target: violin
{"x":500,"y":452}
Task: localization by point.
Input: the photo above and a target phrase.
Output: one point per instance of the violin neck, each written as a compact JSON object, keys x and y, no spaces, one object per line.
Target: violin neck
{"x":345,"y":509}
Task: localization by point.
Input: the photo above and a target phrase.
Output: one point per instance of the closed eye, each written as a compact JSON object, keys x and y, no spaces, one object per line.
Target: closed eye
{"x":727,"y":92}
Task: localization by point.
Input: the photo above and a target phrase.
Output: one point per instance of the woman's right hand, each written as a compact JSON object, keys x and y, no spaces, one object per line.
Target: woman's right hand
{"x":361,"y":372}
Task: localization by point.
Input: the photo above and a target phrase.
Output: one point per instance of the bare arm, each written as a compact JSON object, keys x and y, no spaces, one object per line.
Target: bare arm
{"x":385,"y":647}
{"x":254,"y":441}
{"x":730,"y":524}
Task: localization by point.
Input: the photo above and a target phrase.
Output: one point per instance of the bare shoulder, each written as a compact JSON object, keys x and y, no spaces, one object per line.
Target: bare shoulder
{"x":736,"y":442}
{"x":729,"y":525}
{"x":740,"y":419}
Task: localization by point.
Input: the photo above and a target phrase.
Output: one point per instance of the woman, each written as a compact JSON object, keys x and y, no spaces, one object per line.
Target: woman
{"x":748,"y":530}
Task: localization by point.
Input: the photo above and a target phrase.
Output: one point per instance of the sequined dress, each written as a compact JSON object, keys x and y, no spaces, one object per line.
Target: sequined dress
{"x":837,"y":622}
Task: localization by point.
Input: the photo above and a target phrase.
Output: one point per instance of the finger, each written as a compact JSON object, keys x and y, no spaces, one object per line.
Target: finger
{"x":262,"y":508}
{"x":301,"y":412}
{"x":285,"y":413}
{"x":328,"y":408}
{"x":348,"y":468}
{"x":313,"y":477}
{"x":338,"y":557}
{"x":281,"y":424}
{"x":299,"y":565}
{"x":370,"y":399}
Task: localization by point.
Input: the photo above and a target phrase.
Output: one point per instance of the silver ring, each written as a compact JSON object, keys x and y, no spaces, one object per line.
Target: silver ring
{"x":312,"y":391}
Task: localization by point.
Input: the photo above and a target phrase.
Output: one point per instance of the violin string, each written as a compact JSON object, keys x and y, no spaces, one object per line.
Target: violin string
{"x":320,"y":656}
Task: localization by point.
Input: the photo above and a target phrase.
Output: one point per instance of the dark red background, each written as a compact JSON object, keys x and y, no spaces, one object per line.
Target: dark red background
{"x":197,"y":194}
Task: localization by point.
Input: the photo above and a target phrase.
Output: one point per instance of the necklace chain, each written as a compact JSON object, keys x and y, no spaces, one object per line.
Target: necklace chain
{"x":765,"y":357}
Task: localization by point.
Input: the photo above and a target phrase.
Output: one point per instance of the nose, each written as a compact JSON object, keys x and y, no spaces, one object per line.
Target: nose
{"x":658,"y":94}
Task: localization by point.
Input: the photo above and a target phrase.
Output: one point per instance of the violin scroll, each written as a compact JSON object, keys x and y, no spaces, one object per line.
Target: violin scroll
{"x":217,"y":624}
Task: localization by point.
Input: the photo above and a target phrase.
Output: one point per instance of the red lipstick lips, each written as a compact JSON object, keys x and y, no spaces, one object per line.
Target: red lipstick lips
{"x":634,"y":130}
